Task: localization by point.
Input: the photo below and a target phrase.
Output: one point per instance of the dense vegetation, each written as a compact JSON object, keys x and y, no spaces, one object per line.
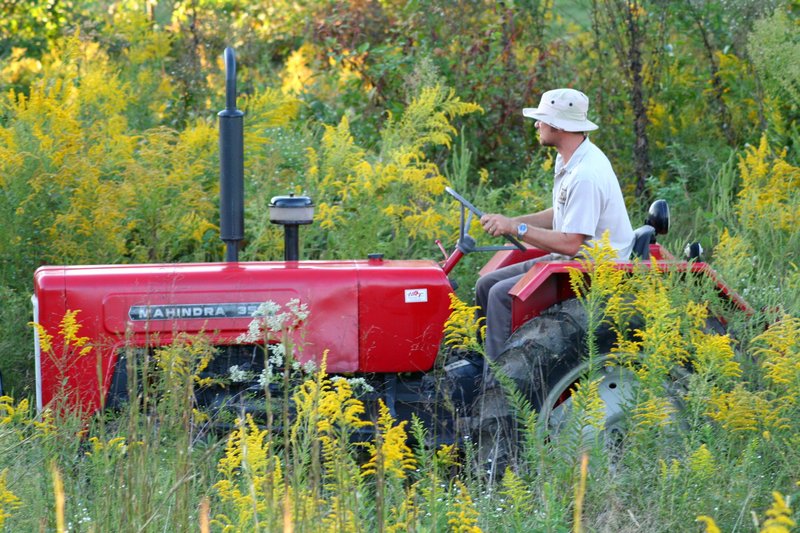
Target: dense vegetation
{"x":108,"y":154}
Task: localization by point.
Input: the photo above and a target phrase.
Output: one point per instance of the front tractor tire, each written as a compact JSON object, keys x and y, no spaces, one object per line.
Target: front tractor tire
{"x":544,"y":359}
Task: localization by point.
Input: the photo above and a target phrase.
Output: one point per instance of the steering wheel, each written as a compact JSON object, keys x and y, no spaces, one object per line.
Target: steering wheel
{"x":477,"y":212}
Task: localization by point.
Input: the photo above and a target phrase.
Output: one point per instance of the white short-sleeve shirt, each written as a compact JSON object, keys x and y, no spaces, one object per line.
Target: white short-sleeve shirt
{"x":587,"y":199}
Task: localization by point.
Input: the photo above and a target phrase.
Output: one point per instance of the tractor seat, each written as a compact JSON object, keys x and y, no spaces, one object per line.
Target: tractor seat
{"x":643,"y":236}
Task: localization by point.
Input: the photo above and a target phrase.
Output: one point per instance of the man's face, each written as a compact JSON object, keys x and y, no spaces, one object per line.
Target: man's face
{"x":547,"y":133}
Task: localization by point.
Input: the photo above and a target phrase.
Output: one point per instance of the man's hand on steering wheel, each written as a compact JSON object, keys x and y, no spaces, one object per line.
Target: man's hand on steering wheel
{"x":466,"y":205}
{"x":498,"y":225}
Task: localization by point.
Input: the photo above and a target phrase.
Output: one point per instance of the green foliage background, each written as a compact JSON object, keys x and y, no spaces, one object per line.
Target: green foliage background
{"x":108,"y":143}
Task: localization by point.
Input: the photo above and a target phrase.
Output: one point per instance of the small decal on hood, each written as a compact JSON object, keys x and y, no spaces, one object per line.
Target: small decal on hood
{"x":416,"y":295}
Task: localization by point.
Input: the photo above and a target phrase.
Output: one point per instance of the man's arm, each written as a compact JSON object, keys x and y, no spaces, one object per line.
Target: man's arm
{"x":542,"y":219}
{"x":568,"y":244}
{"x":543,"y":238}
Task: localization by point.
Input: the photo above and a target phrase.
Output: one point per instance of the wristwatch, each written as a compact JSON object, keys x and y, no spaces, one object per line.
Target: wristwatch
{"x":522,"y":229}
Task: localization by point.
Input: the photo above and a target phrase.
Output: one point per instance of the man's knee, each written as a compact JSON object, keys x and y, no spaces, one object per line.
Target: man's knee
{"x":482,"y":289}
{"x":498,"y":295}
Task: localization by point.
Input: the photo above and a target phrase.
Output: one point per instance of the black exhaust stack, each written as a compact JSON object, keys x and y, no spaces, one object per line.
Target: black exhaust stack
{"x":231,"y":165}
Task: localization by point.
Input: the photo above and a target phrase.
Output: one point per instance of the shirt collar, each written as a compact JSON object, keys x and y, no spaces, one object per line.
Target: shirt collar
{"x":577,"y":155}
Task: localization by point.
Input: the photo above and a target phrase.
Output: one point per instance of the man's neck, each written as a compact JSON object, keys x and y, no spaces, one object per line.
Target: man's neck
{"x":568,"y":143}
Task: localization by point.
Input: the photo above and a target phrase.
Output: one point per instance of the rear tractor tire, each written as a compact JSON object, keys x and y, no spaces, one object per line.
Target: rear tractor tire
{"x":544,"y":359}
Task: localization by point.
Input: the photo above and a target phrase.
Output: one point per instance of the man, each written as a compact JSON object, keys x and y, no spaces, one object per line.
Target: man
{"x":587,"y":201}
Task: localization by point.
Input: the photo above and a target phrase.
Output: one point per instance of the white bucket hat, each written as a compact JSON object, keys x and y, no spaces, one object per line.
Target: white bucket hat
{"x":564,"y":109}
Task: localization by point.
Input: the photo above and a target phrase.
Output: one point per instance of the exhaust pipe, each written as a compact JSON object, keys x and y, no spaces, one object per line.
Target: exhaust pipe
{"x":231,"y":165}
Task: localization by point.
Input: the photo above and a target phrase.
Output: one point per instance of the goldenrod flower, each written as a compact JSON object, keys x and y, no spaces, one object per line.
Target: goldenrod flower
{"x":588,"y":407}
{"x":778,"y":516}
{"x":395,"y":455}
{"x":741,"y":410}
{"x":248,"y":471}
{"x":406,"y":515}
{"x":599,"y":262}
{"x":670,"y":471}
{"x":769,"y":193}
{"x":69,"y":328}
{"x":45,"y":339}
{"x":779,"y":349}
{"x":13,"y":415}
{"x":462,"y":517}
{"x":446,"y":456}
{"x":654,"y":412}
{"x":8,"y":500}
{"x":516,"y":493}
{"x":711,"y":526}
{"x":463,"y":327}
{"x":116,"y":444}
{"x":46,"y":423}
{"x":713,"y":354}
{"x":702,"y":463}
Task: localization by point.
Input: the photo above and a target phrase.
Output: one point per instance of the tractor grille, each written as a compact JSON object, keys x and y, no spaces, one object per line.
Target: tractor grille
{"x":235,"y":373}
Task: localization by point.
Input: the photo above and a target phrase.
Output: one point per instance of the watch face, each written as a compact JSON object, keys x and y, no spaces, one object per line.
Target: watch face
{"x":522,"y":229}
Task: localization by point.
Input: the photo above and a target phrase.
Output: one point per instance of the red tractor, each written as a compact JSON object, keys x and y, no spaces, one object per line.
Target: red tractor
{"x":378,"y":318}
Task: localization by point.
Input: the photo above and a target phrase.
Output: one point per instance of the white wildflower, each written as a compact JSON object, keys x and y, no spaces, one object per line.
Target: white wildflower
{"x":299,"y":310}
{"x":261,"y":318}
{"x":237,"y":374}
{"x":268,"y":308}
{"x":265,"y":378}
{"x":276,"y":354}
{"x":254,"y":333}
{"x":268,"y":320}
{"x":359,"y":385}
{"x":276,"y":323}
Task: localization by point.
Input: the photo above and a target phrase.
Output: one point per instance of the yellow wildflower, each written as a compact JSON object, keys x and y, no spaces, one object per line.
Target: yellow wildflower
{"x":116,"y":444}
{"x":713,"y":354}
{"x":340,"y":517}
{"x":516,"y":493}
{"x":463,"y":517}
{"x":463,"y":327}
{"x":13,"y":415}
{"x":446,"y":456}
{"x":406,"y":515}
{"x":296,"y":74}
{"x":8,"y":500}
{"x":769,"y":193}
{"x":252,"y":478}
{"x":45,"y":339}
{"x":669,"y":471}
{"x":588,"y":405}
{"x":69,"y":328}
{"x":780,"y":351}
{"x":741,"y":410}
{"x":778,"y":516}
{"x":702,"y":463}
{"x":711,"y":526}
{"x":46,"y":423}
{"x":394,"y":453}
{"x":653,"y":412}
{"x":604,"y":278}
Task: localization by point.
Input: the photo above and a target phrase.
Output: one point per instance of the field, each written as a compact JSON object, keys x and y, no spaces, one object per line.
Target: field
{"x":109,"y":154}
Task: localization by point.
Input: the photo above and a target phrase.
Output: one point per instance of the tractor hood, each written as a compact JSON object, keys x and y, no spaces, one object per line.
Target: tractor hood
{"x":370,"y":315}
